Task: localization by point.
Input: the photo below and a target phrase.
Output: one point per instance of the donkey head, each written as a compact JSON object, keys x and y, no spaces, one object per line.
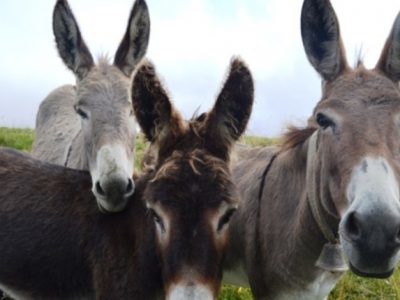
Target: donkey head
{"x":358,"y":142}
{"x":191,"y":196}
{"x":103,"y":104}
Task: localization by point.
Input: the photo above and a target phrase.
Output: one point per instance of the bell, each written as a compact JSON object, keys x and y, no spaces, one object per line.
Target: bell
{"x":332,"y":259}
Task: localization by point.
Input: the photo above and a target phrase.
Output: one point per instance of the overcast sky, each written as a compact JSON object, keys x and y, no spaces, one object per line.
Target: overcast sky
{"x":191,"y":43}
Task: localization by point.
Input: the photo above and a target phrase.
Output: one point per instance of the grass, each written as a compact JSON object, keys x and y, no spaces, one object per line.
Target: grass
{"x":20,"y":139}
{"x":258,"y":141}
{"x":350,"y":287}
{"x":141,"y":146}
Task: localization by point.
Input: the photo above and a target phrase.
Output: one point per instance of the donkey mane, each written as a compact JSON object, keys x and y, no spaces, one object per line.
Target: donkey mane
{"x":199,"y":159}
{"x":104,"y":65}
{"x":359,"y":63}
{"x":104,"y":59}
{"x":296,"y":136}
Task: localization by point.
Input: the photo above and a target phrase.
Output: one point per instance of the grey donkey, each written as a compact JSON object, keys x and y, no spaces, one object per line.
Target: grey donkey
{"x":91,"y":126}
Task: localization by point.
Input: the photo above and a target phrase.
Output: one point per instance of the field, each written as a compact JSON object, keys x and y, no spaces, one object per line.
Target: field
{"x":349,"y":288}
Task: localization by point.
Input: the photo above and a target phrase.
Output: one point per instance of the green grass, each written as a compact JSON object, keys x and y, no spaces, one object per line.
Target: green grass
{"x":20,"y":139}
{"x":141,"y":146}
{"x":350,"y":287}
{"x":235,"y":293}
{"x":258,"y":141}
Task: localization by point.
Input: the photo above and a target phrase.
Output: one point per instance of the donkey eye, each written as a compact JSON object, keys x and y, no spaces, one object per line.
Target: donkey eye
{"x":81,"y":113}
{"x":157,"y":219}
{"x":225,"y":218}
{"x":323,"y":121}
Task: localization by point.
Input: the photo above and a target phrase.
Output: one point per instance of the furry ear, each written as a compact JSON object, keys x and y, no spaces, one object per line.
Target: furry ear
{"x":321,"y":38}
{"x":389,"y":62}
{"x":228,"y":119}
{"x":154,"y":111}
{"x":135,"y":41}
{"x":70,"y":45}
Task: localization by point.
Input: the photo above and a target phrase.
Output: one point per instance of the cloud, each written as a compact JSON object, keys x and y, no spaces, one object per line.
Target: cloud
{"x":191,"y":44}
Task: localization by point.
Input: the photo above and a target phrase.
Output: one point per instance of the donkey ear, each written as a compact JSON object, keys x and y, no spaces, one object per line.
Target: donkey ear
{"x":70,"y":44}
{"x":321,"y":38}
{"x":226,"y":122}
{"x":389,"y":61}
{"x":134,"y":43}
{"x":153,"y":109}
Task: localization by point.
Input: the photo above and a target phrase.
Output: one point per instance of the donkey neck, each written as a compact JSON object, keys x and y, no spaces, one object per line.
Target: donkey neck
{"x":288,"y":233}
{"x":285,"y":235}
{"x":76,"y":155}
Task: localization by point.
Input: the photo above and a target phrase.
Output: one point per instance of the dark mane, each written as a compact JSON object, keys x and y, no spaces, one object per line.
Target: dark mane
{"x":296,"y":136}
{"x":359,"y":59}
{"x":198,"y":118}
{"x":359,"y":63}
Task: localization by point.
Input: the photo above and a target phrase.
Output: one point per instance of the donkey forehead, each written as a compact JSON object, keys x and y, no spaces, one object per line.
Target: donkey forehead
{"x":189,"y":182}
{"x":104,"y":85}
{"x":191,"y":191}
{"x":363,"y":86}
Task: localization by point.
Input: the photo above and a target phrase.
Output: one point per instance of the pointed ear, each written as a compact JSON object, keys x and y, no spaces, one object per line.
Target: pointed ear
{"x":226,"y":122}
{"x":71,"y":47}
{"x":134,"y":43}
{"x":389,"y":61}
{"x":154,"y":111}
{"x":321,"y":38}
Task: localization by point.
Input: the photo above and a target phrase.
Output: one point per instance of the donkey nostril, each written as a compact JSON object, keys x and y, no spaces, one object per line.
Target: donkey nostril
{"x":353,"y":226}
{"x":129,"y":187}
{"x":99,"y":189}
{"x":398,"y":237}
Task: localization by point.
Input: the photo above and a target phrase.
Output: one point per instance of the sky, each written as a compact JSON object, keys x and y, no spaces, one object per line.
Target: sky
{"x":191,"y":44}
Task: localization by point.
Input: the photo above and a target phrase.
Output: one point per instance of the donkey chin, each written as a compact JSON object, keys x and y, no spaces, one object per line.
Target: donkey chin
{"x":112,"y":179}
{"x":113,"y":201}
{"x":189,"y":291}
{"x":370,"y":229}
{"x":373,"y":263}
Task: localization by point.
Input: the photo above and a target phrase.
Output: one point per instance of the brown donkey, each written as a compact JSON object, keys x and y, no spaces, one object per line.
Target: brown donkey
{"x":171,"y":239}
{"x":329,"y":197}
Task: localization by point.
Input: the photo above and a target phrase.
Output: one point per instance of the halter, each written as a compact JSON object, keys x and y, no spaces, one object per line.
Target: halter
{"x":331,"y":257}
{"x":70,"y":149}
{"x":263,"y":177}
{"x":260,"y":274}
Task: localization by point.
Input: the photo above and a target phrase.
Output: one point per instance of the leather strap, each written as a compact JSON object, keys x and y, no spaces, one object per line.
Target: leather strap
{"x":312,"y":191}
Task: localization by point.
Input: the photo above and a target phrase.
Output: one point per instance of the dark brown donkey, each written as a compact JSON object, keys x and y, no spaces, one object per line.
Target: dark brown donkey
{"x":329,"y":197}
{"x":54,"y":244}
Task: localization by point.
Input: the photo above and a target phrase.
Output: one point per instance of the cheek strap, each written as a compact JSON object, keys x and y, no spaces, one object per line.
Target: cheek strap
{"x":331,"y":257}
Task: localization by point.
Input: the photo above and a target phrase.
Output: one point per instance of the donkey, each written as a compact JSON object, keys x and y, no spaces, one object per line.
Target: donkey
{"x":91,"y":126}
{"x":328,"y":197}
{"x":171,"y":239}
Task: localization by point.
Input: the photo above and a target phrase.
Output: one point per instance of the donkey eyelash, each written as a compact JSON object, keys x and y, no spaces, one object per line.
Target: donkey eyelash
{"x":157,"y":219}
{"x":81,"y":113}
{"x":323,"y":121}
{"x":225,"y":218}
